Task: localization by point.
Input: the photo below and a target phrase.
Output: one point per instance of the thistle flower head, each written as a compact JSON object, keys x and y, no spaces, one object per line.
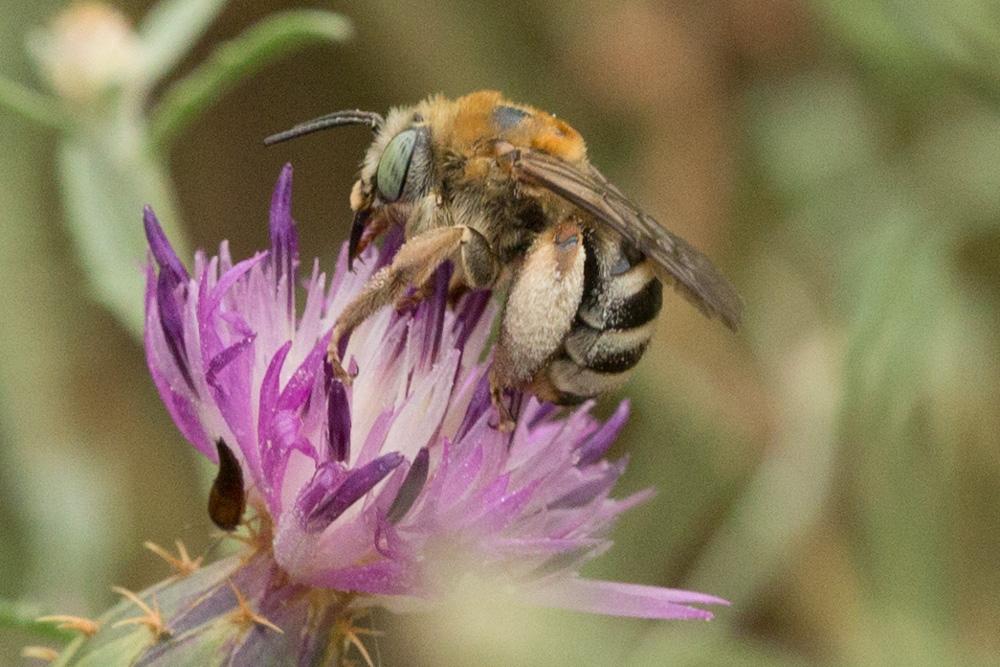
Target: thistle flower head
{"x":399,"y":484}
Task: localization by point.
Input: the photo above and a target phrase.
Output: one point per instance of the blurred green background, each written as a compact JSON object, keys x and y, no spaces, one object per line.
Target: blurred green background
{"x":833,"y":469}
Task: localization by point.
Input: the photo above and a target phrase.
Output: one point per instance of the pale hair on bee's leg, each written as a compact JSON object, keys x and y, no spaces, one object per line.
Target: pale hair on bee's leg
{"x":539,"y":313}
{"x":414,"y":265}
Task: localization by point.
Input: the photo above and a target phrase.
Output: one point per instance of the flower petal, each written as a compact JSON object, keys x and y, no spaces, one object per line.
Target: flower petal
{"x":162,"y":251}
{"x":324,"y":462}
{"x":338,"y":418}
{"x":356,"y":484}
{"x":385,"y":577}
{"x":172,"y":323}
{"x":284,"y":238}
{"x":413,"y":484}
{"x":616,"y":599}
{"x":597,"y":444}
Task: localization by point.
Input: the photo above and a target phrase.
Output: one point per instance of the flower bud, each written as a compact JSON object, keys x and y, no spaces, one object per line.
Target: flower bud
{"x":89,"y":50}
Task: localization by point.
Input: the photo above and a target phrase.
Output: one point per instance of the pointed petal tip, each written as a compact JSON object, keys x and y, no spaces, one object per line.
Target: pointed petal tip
{"x":621,"y":599}
{"x":283,"y":188}
{"x":412,"y":485}
{"x":160,"y":246}
{"x":151,"y":225}
{"x":284,"y":239}
{"x":392,"y":459}
{"x":597,"y":445}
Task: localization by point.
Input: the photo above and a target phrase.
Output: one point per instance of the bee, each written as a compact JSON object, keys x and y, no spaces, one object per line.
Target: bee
{"x":506,"y":193}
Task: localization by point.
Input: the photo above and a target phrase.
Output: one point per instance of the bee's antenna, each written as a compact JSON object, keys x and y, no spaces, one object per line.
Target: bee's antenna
{"x":336,"y":119}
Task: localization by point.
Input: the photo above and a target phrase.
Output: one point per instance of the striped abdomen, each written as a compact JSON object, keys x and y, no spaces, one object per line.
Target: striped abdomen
{"x":616,"y":318}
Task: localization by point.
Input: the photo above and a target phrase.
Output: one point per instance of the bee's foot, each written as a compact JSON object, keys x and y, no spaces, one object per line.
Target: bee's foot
{"x":337,"y":368}
{"x":505,"y":423}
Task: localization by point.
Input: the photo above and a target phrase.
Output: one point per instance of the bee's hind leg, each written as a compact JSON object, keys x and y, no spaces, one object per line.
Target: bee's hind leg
{"x":539,"y":313}
{"x":414,"y":265}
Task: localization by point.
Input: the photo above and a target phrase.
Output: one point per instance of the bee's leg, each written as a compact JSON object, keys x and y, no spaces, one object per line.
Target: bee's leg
{"x":373,"y":228}
{"x":456,"y":289}
{"x":539,"y":313}
{"x":414,"y":264}
{"x":478,"y":267}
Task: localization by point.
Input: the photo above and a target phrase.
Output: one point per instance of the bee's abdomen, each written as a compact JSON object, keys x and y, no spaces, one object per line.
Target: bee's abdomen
{"x":613,"y":325}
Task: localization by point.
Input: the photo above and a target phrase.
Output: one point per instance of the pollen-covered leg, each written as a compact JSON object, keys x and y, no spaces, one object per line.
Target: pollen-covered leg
{"x":539,"y":313}
{"x":414,"y":264}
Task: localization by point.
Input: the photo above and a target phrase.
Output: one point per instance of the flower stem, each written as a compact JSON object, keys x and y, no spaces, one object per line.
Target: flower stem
{"x":170,"y":30}
{"x":237,"y":59}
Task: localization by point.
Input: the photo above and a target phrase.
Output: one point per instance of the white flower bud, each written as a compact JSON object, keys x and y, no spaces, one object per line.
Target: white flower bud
{"x":89,"y":49}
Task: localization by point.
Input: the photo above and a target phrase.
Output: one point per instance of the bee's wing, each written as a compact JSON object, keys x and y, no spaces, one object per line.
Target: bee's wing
{"x":693,"y":273}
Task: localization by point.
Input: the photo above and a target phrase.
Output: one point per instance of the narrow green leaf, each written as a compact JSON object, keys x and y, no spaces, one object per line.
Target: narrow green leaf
{"x":169,"y":31}
{"x":18,"y":616}
{"x":104,"y":192}
{"x":31,"y":105}
{"x":233,"y":61}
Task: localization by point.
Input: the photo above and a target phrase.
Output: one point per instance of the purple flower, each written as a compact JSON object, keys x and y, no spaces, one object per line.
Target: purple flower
{"x":386,"y":487}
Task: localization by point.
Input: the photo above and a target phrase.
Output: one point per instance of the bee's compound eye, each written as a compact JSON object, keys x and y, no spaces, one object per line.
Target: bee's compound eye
{"x":394,"y":165}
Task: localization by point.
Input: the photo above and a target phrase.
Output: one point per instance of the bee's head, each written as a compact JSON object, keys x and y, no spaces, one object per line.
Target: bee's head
{"x":397,"y":167}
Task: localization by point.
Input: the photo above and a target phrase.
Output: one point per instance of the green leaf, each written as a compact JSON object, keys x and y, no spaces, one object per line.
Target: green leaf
{"x":105,"y":184}
{"x":169,"y":31}
{"x":32,"y":106}
{"x":235,"y":60}
{"x":18,"y":616}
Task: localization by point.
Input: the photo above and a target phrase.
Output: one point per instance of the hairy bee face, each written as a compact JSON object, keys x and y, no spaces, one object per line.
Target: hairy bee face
{"x":506,"y":192}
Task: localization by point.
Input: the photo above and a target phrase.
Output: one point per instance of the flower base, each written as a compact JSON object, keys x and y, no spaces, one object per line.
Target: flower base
{"x":239,"y":610}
